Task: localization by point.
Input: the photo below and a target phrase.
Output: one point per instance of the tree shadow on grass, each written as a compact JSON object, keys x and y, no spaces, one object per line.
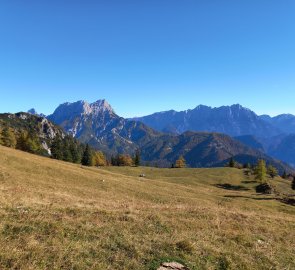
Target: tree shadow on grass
{"x":248,"y":197}
{"x":249,"y":182}
{"x":288,"y":201}
{"x":231,"y":187}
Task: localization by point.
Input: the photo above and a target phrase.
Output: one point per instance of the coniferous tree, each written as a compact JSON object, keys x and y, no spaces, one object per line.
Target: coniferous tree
{"x":56,"y":148}
{"x":260,"y":171}
{"x":22,"y":141}
{"x":75,"y":152}
{"x":33,"y":143}
{"x":285,"y":176}
{"x":180,"y":162}
{"x":247,"y":166}
{"x":293,"y":183}
{"x":8,"y":137}
{"x":87,"y":156}
{"x":99,"y":159}
{"x":124,"y":160}
{"x":29,"y":142}
{"x":232,"y":163}
{"x":272,"y":171}
{"x":113,"y":161}
{"x":1,"y":141}
{"x":137,"y":158}
{"x":67,"y":154}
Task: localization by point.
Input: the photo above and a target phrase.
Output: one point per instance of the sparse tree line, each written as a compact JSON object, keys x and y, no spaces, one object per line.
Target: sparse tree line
{"x":27,"y":141}
{"x":262,"y":172}
{"x":68,"y":149}
{"x":64,"y":148}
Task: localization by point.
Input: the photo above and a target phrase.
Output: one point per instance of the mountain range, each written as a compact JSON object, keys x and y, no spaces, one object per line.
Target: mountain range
{"x":234,"y":120}
{"x":272,"y":135}
{"x":98,"y":124}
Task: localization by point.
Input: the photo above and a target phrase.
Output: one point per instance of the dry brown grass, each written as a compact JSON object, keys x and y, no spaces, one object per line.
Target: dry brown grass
{"x":56,"y":215}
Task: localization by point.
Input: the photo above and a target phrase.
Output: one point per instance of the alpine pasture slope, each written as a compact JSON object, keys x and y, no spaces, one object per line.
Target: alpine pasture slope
{"x":57,"y":215}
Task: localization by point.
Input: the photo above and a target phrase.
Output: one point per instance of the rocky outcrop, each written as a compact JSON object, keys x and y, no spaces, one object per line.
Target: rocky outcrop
{"x":45,"y":130}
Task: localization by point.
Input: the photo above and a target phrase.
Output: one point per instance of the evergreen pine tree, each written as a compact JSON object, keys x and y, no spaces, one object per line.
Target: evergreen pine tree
{"x":75,"y":152}
{"x":113,"y":161}
{"x":293,"y":183}
{"x":33,"y":143}
{"x":56,"y":148}
{"x":247,"y":166}
{"x":1,"y":141}
{"x":231,"y":163}
{"x":285,"y":176}
{"x":87,"y":156}
{"x":22,"y":141}
{"x":8,"y":137}
{"x":260,"y":171}
{"x":137,"y":158}
{"x":67,"y":154}
{"x":272,"y":171}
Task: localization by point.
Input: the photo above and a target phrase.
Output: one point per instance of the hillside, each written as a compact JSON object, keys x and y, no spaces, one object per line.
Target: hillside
{"x":44,"y":130}
{"x":57,"y":215}
{"x":201,"y":149}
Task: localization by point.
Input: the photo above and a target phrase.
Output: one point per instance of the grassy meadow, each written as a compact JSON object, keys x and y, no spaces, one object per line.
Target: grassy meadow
{"x":57,"y":215}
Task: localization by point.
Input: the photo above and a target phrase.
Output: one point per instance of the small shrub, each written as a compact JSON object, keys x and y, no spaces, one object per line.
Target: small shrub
{"x":264,"y":188}
{"x":223,"y":264}
{"x":185,"y":246}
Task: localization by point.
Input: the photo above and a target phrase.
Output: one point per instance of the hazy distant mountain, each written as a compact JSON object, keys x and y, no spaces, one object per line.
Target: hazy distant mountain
{"x":281,"y":146}
{"x":233,"y":120}
{"x":34,"y":112}
{"x":284,"y":149}
{"x":251,"y":141}
{"x":283,"y":122}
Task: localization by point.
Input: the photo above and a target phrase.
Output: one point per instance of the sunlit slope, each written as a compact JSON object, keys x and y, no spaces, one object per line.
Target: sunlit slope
{"x":56,"y":215}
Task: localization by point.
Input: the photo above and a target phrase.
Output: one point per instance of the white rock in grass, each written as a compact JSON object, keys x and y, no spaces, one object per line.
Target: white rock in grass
{"x":172,"y":266}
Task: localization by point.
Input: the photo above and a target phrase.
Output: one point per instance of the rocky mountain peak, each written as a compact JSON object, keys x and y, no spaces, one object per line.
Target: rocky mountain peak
{"x":32,"y":111}
{"x":79,"y":109}
{"x":101,"y":106}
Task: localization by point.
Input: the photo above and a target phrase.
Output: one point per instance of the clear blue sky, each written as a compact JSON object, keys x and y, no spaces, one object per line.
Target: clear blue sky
{"x":146,"y":56}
